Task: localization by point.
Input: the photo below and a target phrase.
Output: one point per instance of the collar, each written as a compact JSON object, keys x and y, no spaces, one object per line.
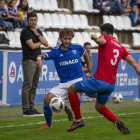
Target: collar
{"x":70,"y":47}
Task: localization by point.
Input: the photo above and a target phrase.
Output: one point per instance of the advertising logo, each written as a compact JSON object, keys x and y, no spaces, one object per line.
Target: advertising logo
{"x":123,"y":64}
{"x":12,"y":72}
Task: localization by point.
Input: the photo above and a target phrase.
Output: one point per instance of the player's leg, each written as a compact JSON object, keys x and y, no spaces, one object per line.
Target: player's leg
{"x":88,"y":86}
{"x":48,"y":111}
{"x":102,"y":99}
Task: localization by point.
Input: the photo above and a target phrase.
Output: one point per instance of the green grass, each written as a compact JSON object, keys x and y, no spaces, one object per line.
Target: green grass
{"x":96,"y":128}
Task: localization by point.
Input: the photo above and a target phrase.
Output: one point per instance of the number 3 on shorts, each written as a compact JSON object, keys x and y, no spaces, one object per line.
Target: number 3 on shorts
{"x":115,"y":56}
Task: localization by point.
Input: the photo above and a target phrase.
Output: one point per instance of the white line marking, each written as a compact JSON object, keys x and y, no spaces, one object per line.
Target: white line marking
{"x":66,"y":120}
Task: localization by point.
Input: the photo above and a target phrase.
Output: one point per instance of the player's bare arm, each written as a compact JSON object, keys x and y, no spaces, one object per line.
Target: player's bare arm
{"x":33,"y":45}
{"x":41,"y":38}
{"x":129,"y":59}
{"x":99,"y":41}
{"x":39,"y":60}
{"x":88,"y":62}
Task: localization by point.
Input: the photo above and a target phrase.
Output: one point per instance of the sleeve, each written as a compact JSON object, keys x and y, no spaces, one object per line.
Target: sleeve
{"x":0,"y":11}
{"x":125,"y":53}
{"x":25,"y":35}
{"x":102,"y":36}
{"x":50,"y":55}
{"x":9,"y":9}
{"x":81,"y":50}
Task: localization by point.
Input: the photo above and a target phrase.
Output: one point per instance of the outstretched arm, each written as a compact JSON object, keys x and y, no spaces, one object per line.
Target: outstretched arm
{"x":39,"y":59}
{"x":129,"y":59}
{"x":99,"y":41}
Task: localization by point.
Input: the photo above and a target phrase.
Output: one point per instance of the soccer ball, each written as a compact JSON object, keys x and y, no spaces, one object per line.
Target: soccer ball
{"x":57,"y":104}
{"x":117,"y":98}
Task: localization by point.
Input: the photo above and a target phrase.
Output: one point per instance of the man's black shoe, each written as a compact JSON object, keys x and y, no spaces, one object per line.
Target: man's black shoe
{"x":122,"y":127}
{"x":28,"y":113}
{"x":36,"y":112}
{"x":70,"y":113}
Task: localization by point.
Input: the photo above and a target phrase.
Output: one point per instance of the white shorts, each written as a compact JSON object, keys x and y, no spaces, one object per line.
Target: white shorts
{"x":62,"y":89}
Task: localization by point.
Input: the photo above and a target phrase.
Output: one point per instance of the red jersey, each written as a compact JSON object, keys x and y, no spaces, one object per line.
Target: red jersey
{"x":109,"y":56}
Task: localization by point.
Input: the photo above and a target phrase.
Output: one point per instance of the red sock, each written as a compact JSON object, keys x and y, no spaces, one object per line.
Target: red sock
{"x":75,"y":105}
{"x":106,"y":113}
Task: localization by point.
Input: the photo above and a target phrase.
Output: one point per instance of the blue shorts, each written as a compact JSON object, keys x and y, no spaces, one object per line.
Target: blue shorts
{"x":92,"y":86}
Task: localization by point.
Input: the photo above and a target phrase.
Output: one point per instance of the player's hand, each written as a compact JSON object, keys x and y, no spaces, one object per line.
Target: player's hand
{"x":35,"y":31}
{"x":39,"y":63}
{"x":94,"y":37}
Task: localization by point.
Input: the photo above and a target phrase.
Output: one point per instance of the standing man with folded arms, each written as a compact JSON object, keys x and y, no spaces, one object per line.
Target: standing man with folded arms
{"x":31,"y":39}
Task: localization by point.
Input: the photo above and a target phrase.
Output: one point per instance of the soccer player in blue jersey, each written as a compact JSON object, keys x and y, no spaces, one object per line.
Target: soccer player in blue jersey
{"x":69,"y":68}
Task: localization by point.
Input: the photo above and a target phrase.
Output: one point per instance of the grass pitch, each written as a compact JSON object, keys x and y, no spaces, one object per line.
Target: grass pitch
{"x":15,"y":127}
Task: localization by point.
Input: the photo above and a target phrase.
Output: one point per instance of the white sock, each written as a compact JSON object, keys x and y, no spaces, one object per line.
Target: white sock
{"x":78,"y":120}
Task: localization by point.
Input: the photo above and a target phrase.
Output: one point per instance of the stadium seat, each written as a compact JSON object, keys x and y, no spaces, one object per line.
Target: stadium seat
{"x":77,"y":21}
{"x":86,"y":37}
{"x":113,"y":20}
{"x":12,"y":39}
{"x":85,"y":7}
{"x":124,"y":45}
{"x":70,"y":22}
{"x":56,"y":36}
{"x":84,"y":23}
{"x":74,"y":40}
{"x":4,"y":45}
{"x":54,"y":6}
{"x":79,"y":38}
{"x":17,"y":39}
{"x":82,"y":5}
{"x":106,"y":19}
{"x":77,"y":5}
{"x":41,"y":21}
{"x":90,"y":4}
{"x":51,"y":38}
{"x":93,"y":43}
{"x":56,"y":22}
{"x":47,"y":5}
{"x":40,"y":5}
{"x":127,"y":23}
{"x":120,"y":22}
{"x":48,"y":20}
{"x":136,"y":40}
{"x":32,"y":3}
{"x":98,"y":34}
{"x":3,"y":32}
{"x":62,"y":20}
{"x":45,"y":35}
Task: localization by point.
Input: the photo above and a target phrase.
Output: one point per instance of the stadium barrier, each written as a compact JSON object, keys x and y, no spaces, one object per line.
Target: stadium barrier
{"x":11,"y":81}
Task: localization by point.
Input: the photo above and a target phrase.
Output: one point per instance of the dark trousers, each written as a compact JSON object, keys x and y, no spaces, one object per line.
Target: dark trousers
{"x":103,"y":12}
{"x":15,"y":22}
{"x":31,"y":79}
{"x":118,"y":10}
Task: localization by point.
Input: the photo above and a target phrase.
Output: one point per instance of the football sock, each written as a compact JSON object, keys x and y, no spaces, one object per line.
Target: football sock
{"x":75,"y":105}
{"x":107,"y":114}
{"x":48,"y":114}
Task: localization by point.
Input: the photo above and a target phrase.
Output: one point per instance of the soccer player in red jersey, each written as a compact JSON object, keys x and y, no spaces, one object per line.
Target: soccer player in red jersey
{"x":110,"y":52}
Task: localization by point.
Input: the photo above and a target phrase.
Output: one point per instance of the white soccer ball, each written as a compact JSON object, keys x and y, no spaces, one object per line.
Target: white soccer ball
{"x":57,"y":104}
{"x":117,"y":98}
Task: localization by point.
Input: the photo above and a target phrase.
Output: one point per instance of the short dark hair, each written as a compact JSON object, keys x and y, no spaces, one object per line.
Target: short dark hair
{"x":86,"y":43}
{"x":108,"y":28}
{"x":134,"y":4}
{"x":66,"y":31}
{"x":31,"y":14}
